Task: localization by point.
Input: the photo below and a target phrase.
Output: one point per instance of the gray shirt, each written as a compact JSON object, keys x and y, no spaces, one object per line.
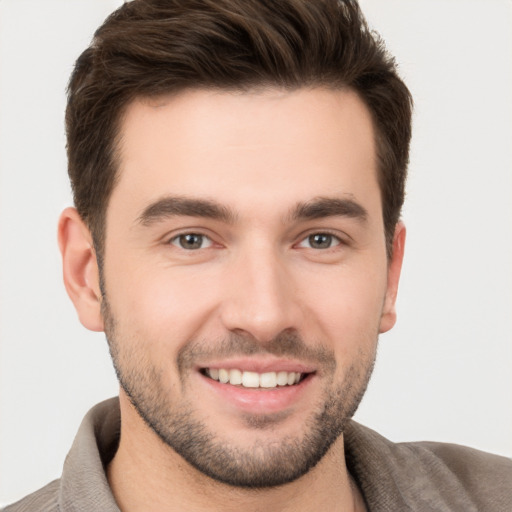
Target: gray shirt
{"x":393,"y":477}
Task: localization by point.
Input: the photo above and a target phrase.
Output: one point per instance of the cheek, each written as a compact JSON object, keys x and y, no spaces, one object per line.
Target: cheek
{"x":348,"y":306}
{"x":164,"y":307}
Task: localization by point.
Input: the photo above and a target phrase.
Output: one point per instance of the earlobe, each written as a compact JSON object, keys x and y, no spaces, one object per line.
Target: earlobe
{"x":388,"y":318}
{"x":80,"y":269}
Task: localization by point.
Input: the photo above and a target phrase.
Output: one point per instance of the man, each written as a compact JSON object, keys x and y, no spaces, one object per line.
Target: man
{"x":238,"y":171}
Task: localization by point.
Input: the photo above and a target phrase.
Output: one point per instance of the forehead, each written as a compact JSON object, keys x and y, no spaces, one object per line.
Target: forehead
{"x":264,"y":148}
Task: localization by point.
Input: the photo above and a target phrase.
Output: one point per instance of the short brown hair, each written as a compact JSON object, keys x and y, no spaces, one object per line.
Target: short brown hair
{"x":148,"y":48}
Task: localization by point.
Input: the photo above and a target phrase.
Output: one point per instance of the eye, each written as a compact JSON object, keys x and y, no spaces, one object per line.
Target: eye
{"x":191,"y":241}
{"x":320,"y":241}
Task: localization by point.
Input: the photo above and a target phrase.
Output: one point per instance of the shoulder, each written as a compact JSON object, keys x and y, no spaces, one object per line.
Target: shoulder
{"x":428,"y":475}
{"x":43,"y":500}
{"x":486,"y":477}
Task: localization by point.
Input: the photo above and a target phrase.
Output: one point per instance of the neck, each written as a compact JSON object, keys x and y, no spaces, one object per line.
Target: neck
{"x":146,"y":474}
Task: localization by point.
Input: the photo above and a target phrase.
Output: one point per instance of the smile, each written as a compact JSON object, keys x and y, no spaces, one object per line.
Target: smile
{"x":249,"y":379}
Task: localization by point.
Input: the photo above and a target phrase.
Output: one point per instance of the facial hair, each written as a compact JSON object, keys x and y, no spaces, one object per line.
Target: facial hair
{"x":262,"y":464}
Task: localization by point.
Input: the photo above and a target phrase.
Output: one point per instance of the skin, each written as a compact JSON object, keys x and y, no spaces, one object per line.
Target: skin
{"x":260,"y":156}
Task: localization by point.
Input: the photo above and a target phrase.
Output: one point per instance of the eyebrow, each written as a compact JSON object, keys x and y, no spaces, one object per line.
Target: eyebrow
{"x":329,"y":207}
{"x":175,"y":206}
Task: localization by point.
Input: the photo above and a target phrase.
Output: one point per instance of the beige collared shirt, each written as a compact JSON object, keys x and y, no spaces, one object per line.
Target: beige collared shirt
{"x":392,"y":477}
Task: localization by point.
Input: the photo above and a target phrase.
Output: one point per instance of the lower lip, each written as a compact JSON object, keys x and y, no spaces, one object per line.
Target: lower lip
{"x":260,"y":400}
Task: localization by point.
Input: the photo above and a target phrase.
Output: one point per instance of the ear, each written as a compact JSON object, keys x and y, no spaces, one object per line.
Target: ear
{"x":388,"y":317}
{"x":80,"y":269}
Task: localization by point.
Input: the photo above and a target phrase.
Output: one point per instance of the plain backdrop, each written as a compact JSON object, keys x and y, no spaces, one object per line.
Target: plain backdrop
{"x":444,"y":372}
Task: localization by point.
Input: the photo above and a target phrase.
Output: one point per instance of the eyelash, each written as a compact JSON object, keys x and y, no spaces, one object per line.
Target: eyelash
{"x":331,"y":236}
{"x":178,"y":239}
{"x":175,"y":240}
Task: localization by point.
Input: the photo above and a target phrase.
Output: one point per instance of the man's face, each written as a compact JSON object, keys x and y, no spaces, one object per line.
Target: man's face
{"x":245,"y":241}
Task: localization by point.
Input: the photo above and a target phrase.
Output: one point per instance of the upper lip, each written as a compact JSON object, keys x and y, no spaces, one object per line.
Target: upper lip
{"x":251,"y":364}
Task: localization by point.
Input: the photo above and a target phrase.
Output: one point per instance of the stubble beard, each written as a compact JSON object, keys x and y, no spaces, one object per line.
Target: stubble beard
{"x":263,"y":464}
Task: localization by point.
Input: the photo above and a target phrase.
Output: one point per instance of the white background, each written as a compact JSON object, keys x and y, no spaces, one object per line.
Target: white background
{"x":443,"y":373}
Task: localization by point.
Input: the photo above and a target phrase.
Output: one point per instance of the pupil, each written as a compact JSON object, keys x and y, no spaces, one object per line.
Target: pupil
{"x":320,"y":241}
{"x":191,"y":241}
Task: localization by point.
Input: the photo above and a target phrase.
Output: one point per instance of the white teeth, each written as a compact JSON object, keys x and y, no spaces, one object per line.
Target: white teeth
{"x":223,"y":376}
{"x":235,"y":377}
{"x":253,"y":379}
{"x":250,"y":380}
{"x":268,"y":380}
{"x":282,"y":378}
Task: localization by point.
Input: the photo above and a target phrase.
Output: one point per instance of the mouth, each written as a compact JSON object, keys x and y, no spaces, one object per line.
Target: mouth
{"x":254,"y":380}
{"x":259,"y":386}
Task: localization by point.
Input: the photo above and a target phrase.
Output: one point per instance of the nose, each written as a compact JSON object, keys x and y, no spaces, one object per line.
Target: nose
{"x":261,"y":298}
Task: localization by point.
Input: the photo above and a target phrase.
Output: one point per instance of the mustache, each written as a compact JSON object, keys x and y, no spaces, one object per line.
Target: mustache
{"x":286,"y":344}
